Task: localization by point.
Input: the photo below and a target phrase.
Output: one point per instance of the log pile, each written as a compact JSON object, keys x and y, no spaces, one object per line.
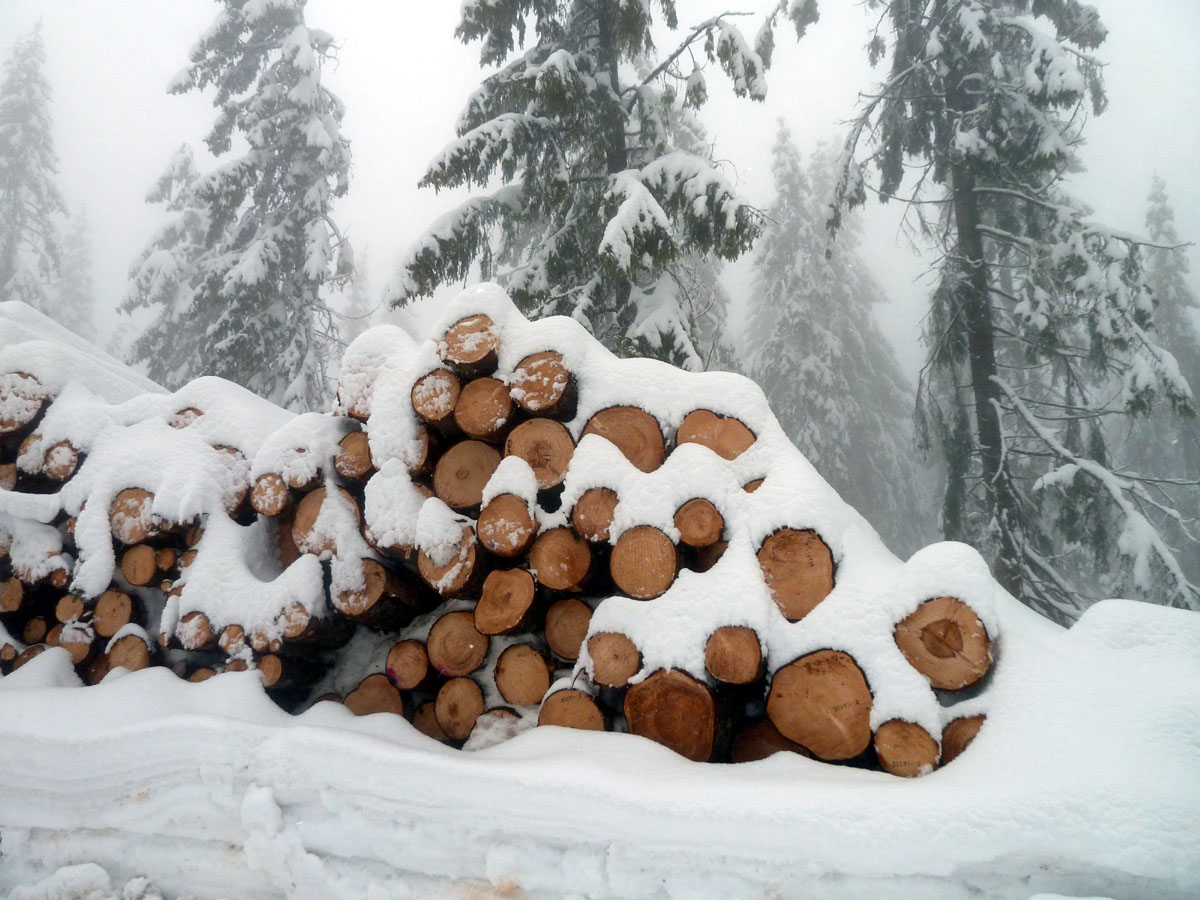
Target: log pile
{"x":484,"y":536}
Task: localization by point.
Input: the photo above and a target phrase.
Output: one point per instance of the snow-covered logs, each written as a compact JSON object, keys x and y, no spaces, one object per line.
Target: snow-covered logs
{"x":504,"y":524}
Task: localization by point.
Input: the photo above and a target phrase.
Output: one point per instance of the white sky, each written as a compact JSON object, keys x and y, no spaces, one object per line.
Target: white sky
{"x":404,"y":78}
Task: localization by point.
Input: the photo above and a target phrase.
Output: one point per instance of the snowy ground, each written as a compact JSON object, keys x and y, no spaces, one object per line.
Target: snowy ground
{"x":1084,"y":782}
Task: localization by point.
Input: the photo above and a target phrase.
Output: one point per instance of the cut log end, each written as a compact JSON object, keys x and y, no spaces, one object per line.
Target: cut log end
{"x":129,"y":652}
{"x":353,"y":460}
{"x":541,"y":384}
{"x":823,"y":702}
{"x":434,"y":397}
{"x":674,"y":709}
{"x":728,"y":437}
{"x":21,"y":400}
{"x":506,"y":600}
{"x":458,"y":704}
{"x":308,"y":511}
{"x":946,"y":642}
{"x":760,"y":740}
{"x":407,"y":664}
{"x":644,"y":562}
{"x":634,"y":432}
{"x":455,"y":646}
{"x":185,"y":417}
{"x":60,"y":461}
{"x":269,"y":496}
{"x":506,"y":527}
{"x":130,"y":516}
{"x":484,"y":409}
{"x":799,"y":570}
{"x":571,"y":708}
{"x":375,"y":694}
{"x":458,"y":574}
{"x":139,"y":564}
{"x":461,"y":474}
{"x":905,"y":748}
{"x":733,"y":655}
{"x":958,"y":735}
{"x":470,"y":345}
{"x":425,"y":721}
{"x":195,"y":631}
{"x":114,"y":610}
{"x":566,"y":626}
{"x":592,"y":514}
{"x":560,"y":560}
{"x":546,"y":445}
{"x":522,"y":675}
{"x":615,"y":659}
{"x":700,"y":523}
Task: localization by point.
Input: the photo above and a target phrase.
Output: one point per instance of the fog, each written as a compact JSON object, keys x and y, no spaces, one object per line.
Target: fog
{"x":403,"y":78}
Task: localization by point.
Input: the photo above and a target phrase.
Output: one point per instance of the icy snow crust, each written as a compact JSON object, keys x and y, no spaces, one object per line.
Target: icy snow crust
{"x":1085,"y":777}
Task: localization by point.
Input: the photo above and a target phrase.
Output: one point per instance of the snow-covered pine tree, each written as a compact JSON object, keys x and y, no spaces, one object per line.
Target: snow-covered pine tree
{"x":590,"y":198}
{"x":252,"y":307}
{"x":829,"y":373}
{"x":359,"y":313}
{"x":29,"y":198}
{"x":1040,"y":336}
{"x":74,"y":297}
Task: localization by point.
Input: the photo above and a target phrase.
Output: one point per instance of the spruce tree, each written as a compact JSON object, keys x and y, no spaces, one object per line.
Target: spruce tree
{"x":359,"y":312}
{"x":592,"y":195}
{"x":251,"y":307}
{"x":74,"y":296}
{"x":829,"y":373}
{"x":1040,"y":336}
{"x":29,"y":198}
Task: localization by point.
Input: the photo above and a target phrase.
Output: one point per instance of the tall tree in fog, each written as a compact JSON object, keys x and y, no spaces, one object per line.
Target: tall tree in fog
{"x":829,"y":373}
{"x":1040,"y":335}
{"x":29,"y":198}
{"x":359,"y":311}
{"x":596,"y":197}
{"x":252,"y":306}
{"x":74,"y":296}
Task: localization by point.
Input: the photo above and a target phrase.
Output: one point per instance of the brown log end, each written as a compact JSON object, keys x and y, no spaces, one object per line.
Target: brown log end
{"x":195,"y":631}
{"x":307,"y":513}
{"x":200,"y":675}
{"x":185,"y":417}
{"x":60,"y":461}
{"x":946,"y":642}
{"x":166,"y":559}
{"x":455,"y":576}
{"x":69,"y":608}
{"x":505,"y":602}
{"x":700,"y":523}
{"x":139,"y":564}
{"x":725,"y":436}
{"x":114,"y":610}
{"x":560,"y":559}
{"x":434,"y":396}
{"x":733,"y":655}
{"x":129,"y":652}
{"x":484,"y":409}
{"x":31,"y":652}
{"x":294,"y":620}
{"x":375,"y":694}
{"x":425,"y":721}
{"x":35,"y":630}
{"x":470,"y":345}
{"x":615,"y":658}
{"x":353,"y":459}
{"x":12,"y":595}
{"x":130,"y":516}
{"x":823,"y":702}
{"x":378,"y":583}
{"x":566,"y":626}
{"x":571,"y":708}
{"x":799,"y":570}
{"x":592,"y":514}
{"x":8,"y":476}
{"x":958,"y":735}
{"x":760,"y":740}
{"x":21,"y":400}
{"x":674,"y":709}
{"x":232,"y":639}
{"x":458,"y":704}
{"x":522,"y":675}
{"x":541,"y":383}
{"x":751,"y":486}
{"x":407,"y":664}
{"x":905,"y":748}
{"x":461,"y":474}
{"x":505,"y":526}
{"x":455,"y":646}
{"x":546,"y":445}
{"x":644,"y":562}
{"x":634,"y":432}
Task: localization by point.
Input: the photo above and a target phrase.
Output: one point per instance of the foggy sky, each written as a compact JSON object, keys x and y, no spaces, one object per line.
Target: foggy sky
{"x":403,"y":78}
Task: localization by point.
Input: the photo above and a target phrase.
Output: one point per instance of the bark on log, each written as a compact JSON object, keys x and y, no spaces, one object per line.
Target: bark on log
{"x":542,"y":385}
{"x":353,"y":460}
{"x":799,"y":570}
{"x":727,"y":437}
{"x":130,"y":516}
{"x":522,"y":675}
{"x":566,"y":626}
{"x":946,"y":642}
{"x":615,"y":659}
{"x":706,"y":557}
{"x":644,"y":562}
{"x":484,"y":410}
{"x":634,"y":432}
{"x":139,"y":564}
{"x":301,"y":629}
{"x":592,"y":514}
{"x":571,"y":708}
{"x":469,"y":346}
{"x":958,"y":735}
{"x":546,"y":445}
{"x":905,"y":748}
{"x":387,"y":601}
{"x":822,"y":701}
{"x":455,"y":646}
{"x":733,"y":655}
{"x":760,"y":740}
{"x":700,"y":523}
{"x":505,"y":526}
{"x":460,"y":575}
{"x":434,"y":397}
{"x":460,"y":475}
{"x":506,"y":602}
{"x":60,"y":461}
{"x":674,"y":709}
{"x":407,"y":665}
{"x":27,"y":654}
{"x":375,"y":694}
{"x":459,"y":703}
{"x":307,"y":512}
{"x":288,"y":673}
{"x":560,"y":560}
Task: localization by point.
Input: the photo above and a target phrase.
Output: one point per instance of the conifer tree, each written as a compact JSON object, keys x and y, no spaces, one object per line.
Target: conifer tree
{"x":359,"y":313}
{"x":251,"y":307}
{"x":598,"y":196}
{"x":74,"y":297}
{"x":1040,"y":335}
{"x":29,"y":198}
{"x":829,"y":373}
